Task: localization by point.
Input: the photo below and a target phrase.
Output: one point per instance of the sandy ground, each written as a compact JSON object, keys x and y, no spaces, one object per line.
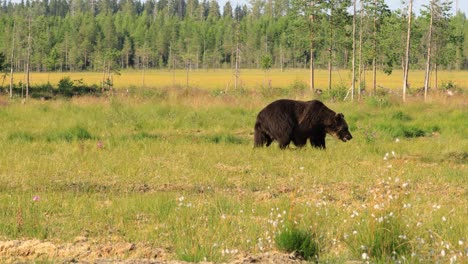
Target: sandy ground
{"x":84,"y":251}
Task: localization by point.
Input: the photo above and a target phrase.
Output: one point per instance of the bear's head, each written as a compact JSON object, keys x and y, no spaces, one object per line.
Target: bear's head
{"x":339,"y":128}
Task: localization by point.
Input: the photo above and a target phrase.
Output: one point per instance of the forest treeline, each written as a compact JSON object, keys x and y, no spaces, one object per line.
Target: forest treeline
{"x":76,"y":35}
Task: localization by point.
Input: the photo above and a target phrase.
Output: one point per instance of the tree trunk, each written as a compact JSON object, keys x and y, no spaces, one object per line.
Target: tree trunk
{"x":353,"y":78}
{"x":374,"y":57}
{"x":408,"y":39}
{"x":312,"y":85}
{"x":428,"y":61}
{"x":360,"y":51}
{"x":236,"y":77}
{"x":330,"y":51}
{"x":12,"y":59}
{"x":28,"y":59}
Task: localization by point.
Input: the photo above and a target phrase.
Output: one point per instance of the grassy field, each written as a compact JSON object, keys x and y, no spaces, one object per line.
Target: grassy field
{"x":249,"y":79}
{"x":176,"y":169}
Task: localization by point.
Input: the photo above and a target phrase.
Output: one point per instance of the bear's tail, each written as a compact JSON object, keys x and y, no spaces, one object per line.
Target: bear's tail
{"x":259,"y":136}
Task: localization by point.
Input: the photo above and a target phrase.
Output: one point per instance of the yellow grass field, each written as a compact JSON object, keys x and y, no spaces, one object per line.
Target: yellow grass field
{"x":249,"y":78}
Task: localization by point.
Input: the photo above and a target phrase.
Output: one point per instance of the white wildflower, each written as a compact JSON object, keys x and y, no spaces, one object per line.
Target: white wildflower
{"x":364,"y":256}
{"x":442,"y":253}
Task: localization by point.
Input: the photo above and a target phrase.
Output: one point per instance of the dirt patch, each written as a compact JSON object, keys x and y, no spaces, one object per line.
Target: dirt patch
{"x":84,"y":251}
{"x":81,"y":250}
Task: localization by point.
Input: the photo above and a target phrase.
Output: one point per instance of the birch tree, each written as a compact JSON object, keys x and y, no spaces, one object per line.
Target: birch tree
{"x":407,"y":53}
{"x":429,"y":45}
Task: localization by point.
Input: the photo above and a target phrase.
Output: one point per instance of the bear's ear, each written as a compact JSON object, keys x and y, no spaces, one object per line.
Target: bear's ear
{"x":339,"y":116}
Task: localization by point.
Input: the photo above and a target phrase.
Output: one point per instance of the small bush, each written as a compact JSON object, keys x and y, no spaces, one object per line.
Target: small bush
{"x":65,"y":86}
{"x":72,"y":134}
{"x":196,"y":254}
{"x":227,"y":139}
{"x":144,"y":135}
{"x":338,"y":92}
{"x":21,"y":136}
{"x":399,"y":115}
{"x":409,"y":132}
{"x":298,"y":88}
{"x":273,"y":92}
{"x":403,"y":131}
{"x":378,"y":101}
{"x":300,"y":241}
{"x":382,"y":238}
{"x":449,"y":85}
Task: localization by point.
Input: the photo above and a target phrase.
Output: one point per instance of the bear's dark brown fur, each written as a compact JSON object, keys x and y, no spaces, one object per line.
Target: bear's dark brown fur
{"x":289,"y":120}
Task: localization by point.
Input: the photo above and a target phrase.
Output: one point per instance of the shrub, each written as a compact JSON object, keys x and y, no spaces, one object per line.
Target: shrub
{"x":298,"y":88}
{"x":378,"y":101}
{"x":337,"y":93}
{"x":65,"y":86}
{"x":403,"y":131}
{"x":21,"y":136}
{"x":72,"y":134}
{"x":227,"y":139}
{"x":303,"y":242}
{"x":399,"y":115}
{"x":381,"y":238}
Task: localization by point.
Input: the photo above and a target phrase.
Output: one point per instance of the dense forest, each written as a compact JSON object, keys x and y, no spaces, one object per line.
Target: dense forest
{"x":78,"y":35}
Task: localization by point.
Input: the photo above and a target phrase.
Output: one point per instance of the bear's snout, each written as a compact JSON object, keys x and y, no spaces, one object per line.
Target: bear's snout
{"x":346,"y":137}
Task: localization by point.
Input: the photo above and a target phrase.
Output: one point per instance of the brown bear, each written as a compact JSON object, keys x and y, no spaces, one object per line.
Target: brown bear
{"x":289,"y":120}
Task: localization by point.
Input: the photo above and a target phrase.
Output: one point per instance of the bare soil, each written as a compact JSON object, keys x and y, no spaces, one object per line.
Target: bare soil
{"x":84,"y":251}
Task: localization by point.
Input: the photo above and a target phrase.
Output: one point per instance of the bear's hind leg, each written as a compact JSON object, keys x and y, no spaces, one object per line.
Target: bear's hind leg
{"x":268,"y":140}
{"x":284,"y":142}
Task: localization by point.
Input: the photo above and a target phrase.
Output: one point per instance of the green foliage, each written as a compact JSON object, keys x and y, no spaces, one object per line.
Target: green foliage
{"x":195,"y":254}
{"x":75,"y":133}
{"x":21,"y":136}
{"x":399,"y":115}
{"x":381,"y":237}
{"x":404,"y":131}
{"x":65,"y":86}
{"x":298,"y":87}
{"x":226,"y":139}
{"x":378,"y":101}
{"x":129,"y":35}
{"x":266,"y":62}
{"x":180,"y":175}
{"x":2,"y":62}
{"x":302,"y":242}
{"x":337,"y":93}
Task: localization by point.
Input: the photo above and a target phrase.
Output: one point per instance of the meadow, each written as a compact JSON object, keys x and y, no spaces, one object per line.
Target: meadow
{"x":223,"y":79}
{"x":174,"y":168}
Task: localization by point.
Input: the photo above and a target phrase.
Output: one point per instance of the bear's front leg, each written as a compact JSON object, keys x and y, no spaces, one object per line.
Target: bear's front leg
{"x":318,"y":142}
